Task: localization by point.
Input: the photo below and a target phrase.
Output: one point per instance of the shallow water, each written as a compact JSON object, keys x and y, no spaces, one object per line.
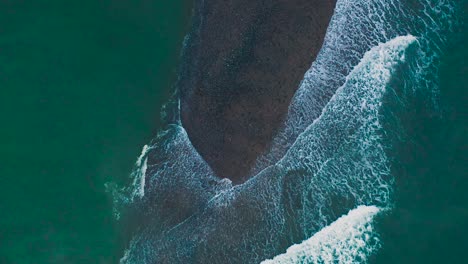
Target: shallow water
{"x":344,"y":144}
{"x":375,"y":140}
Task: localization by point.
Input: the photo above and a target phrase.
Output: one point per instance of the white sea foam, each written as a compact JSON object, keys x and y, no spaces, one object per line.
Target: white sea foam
{"x":337,"y":163}
{"x":144,"y":150}
{"x":140,"y":191}
{"x":138,"y":185}
{"x":350,"y":239}
{"x":328,"y":158}
{"x":136,"y":190}
{"x":355,"y":28}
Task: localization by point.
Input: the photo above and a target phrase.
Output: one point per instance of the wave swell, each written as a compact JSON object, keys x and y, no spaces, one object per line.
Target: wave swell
{"x":350,"y":239}
{"x":329,"y":158}
{"x":337,"y":163}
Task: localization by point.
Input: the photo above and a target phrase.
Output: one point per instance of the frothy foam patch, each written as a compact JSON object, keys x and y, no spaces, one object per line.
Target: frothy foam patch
{"x":137,"y":188}
{"x":140,"y":191}
{"x":350,"y":239}
{"x":356,"y":27}
{"x":142,"y":155}
{"x":328,"y":159}
{"x":338,"y":162}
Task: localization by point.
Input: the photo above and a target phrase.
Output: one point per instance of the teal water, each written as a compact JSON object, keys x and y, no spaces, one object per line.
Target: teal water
{"x":81,"y":87}
{"x":375,"y":128}
{"x":428,"y":223}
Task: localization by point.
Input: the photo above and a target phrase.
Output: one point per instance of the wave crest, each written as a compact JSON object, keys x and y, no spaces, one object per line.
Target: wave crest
{"x":337,"y":163}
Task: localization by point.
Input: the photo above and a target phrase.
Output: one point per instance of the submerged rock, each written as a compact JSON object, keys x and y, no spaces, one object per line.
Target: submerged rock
{"x":243,"y":62}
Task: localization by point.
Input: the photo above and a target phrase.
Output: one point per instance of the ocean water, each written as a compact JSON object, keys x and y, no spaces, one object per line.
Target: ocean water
{"x":81,"y":86}
{"x":369,"y":165}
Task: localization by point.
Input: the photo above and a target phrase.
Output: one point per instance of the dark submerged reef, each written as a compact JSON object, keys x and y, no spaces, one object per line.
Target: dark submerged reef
{"x":243,"y":61}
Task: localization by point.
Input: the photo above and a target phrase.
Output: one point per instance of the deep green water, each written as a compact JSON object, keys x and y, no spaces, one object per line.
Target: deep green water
{"x":81,"y":86}
{"x":428,"y":223}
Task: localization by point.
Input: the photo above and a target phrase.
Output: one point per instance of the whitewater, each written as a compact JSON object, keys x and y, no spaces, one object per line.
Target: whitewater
{"x":313,"y":196}
{"x":350,"y":239}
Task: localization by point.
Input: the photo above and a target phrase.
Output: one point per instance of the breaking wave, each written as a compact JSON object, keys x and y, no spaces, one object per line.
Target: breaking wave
{"x":338,"y":162}
{"x":356,"y":27}
{"x":350,"y":239}
{"x":327,"y":169}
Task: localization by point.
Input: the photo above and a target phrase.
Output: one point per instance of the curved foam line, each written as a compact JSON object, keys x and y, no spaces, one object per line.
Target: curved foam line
{"x":338,"y":157}
{"x":349,"y":238}
{"x":381,"y":54}
{"x":336,"y":150}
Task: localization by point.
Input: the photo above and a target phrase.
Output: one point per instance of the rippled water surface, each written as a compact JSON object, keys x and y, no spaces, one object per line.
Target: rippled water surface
{"x":369,"y":165}
{"x":350,"y":139}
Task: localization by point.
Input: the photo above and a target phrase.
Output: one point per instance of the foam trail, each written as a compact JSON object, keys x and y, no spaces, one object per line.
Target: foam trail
{"x":355,"y":28}
{"x":140,"y":190}
{"x":337,"y":163}
{"x":136,"y":189}
{"x":142,"y":155}
{"x":350,"y":239}
{"x":329,"y":158}
{"x":138,"y":184}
